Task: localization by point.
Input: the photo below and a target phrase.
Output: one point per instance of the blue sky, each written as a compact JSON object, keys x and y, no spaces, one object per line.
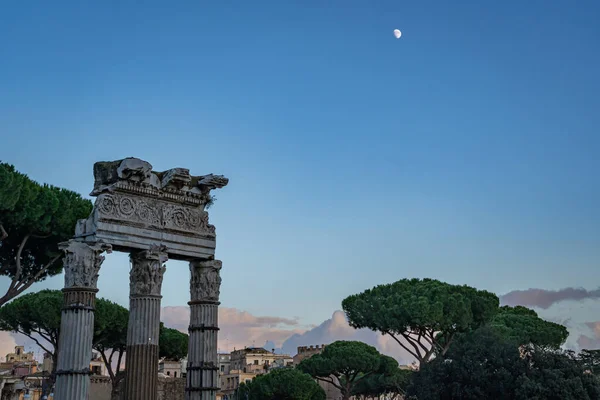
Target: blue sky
{"x":465,"y":151}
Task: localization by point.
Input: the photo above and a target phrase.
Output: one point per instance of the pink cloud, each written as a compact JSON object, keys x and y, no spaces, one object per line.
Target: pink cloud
{"x":590,"y":340}
{"x":238,"y":328}
{"x":241,"y":328}
{"x":586,"y":342}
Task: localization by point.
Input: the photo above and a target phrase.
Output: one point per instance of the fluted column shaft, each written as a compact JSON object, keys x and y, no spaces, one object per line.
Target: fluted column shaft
{"x":145,"y":281}
{"x":202,"y":370}
{"x":82,"y":263}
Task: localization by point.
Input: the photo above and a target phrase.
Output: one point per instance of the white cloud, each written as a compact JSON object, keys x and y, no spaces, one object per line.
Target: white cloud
{"x":7,"y":344}
{"x":337,"y":328}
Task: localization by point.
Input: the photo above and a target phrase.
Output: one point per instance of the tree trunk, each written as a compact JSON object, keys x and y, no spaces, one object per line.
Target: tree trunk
{"x":117,"y":385}
{"x":345,"y":393}
{"x":115,"y":392}
{"x":52,"y":377}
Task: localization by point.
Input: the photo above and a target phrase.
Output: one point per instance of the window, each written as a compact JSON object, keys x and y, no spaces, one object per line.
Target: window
{"x":255,"y":362}
{"x":222,"y":368}
{"x":168,"y":373}
{"x":175,"y":374}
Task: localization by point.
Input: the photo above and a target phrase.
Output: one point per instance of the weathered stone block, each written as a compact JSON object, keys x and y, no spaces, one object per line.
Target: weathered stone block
{"x":137,"y":208}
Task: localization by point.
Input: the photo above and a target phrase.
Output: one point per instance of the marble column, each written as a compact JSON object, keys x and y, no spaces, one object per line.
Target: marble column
{"x":145,"y":281}
{"x":202,"y":370}
{"x":81,"y":263}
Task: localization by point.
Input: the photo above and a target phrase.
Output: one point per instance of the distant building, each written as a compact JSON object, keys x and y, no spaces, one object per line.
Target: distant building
{"x":20,"y":363}
{"x":19,"y":355}
{"x":183,"y":372}
{"x":258,"y":360}
{"x":47,"y":363}
{"x":231,"y":381}
{"x":306,"y":352}
{"x":97,"y":365}
{"x":224,"y":363}
{"x":170,"y":368}
{"x":243,"y":365}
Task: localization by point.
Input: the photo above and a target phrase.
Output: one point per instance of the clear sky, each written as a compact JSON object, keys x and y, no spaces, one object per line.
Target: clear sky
{"x":468,"y":150}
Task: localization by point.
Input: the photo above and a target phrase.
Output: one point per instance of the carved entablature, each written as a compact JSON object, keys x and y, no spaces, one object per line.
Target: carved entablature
{"x":136,"y":176}
{"x":137,"y":207}
{"x":147,"y":270}
{"x":82,"y":263}
{"x":205,"y":282}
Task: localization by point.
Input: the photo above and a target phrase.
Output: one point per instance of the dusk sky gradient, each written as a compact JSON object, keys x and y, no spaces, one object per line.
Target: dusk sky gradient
{"x":467,"y":151}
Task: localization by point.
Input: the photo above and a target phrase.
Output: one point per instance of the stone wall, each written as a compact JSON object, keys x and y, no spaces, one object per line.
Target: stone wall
{"x":100,"y":387}
{"x":168,"y":388}
{"x":171,"y":388}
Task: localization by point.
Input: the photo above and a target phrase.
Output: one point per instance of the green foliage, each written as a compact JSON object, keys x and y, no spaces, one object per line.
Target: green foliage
{"x":416,"y":313}
{"x":479,"y":365}
{"x":38,"y":315}
{"x":349,"y":362}
{"x":591,"y":360}
{"x":110,"y":325}
{"x":243,"y":391}
{"x":376,"y":385}
{"x":282,"y":384}
{"x":523,"y":326}
{"x":35,"y":219}
{"x":484,"y":364}
{"x":173,"y":344}
{"x":35,"y":315}
{"x":556,"y":375}
{"x":110,"y":337}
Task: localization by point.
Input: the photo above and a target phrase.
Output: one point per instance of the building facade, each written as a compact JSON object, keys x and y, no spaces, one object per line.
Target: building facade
{"x":20,"y":363}
{"x":19,"y":355}
{"x":306,"y":352}
{"x":231,"y":381}
{"x":97,"y":366}
{"x":258,"y":360}
{"x":243,"y":365}
{"x":224,"y":363}
{"x":170,"y":368}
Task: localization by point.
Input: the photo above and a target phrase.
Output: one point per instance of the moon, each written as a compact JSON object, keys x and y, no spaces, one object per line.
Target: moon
{"x":397,"y":33}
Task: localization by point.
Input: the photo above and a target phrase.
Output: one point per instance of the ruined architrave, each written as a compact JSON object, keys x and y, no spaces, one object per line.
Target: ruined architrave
{"x":153,"y":216}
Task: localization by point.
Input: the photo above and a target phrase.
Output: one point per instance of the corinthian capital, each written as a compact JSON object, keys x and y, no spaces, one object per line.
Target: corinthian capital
{"x":205,"y":282}
{"x":82,"y":263}
{"x":146,"y":275}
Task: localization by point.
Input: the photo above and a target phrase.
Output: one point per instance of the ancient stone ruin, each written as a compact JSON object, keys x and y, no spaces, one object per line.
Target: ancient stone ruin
{"x":153,"y":216}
